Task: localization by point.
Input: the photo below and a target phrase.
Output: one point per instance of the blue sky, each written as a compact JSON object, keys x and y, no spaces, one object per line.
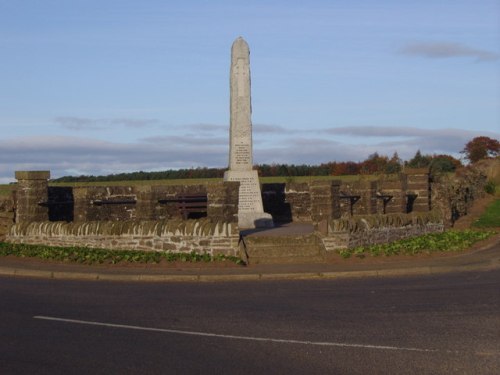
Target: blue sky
{"x":105,"y":86}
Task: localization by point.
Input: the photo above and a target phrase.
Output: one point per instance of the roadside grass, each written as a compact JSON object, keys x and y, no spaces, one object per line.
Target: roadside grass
{"x":449,"y":241}
{"x":86,"y":255}
{"x":490,"y":218}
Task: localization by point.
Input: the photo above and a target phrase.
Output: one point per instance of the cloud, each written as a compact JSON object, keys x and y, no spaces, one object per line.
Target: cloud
{"x":82,"y":123}
{"x":405,"y":140}
{"x":77,"y":123}
{"x":397,"y":131}
{"x":444,"y":50}
{"x":263,"y":128}
{"x":132,"y":123}
{"x":207,"y":128}
{"x":65,"y":155}
{"x":257,"y":128}
{"x":77,"y":155}
{"x":167,"y":141}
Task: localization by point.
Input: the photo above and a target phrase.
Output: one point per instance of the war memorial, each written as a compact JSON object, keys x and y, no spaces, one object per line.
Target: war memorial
{"x":218,"y":217}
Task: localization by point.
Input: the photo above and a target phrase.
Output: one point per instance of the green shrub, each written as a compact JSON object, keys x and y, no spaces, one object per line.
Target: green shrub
{"x":429,"y":243}
{"x":490,"y":187}
{"x":91,"y":256}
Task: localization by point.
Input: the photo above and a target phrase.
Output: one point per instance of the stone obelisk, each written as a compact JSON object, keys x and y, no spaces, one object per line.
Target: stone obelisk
{"x":250,"y":209}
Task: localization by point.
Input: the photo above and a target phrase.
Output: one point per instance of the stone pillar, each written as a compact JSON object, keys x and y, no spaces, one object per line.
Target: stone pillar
{"x":369,"y":198}
{"x":145,"y":206}
{"x":419,"y":189}
{"x":81,"y":204}
{"x":32,"y":196}
{"x":223,"y":201}
{"x":250,"y":208}
{"x":325,"y":203}
{"x":298,"y":197}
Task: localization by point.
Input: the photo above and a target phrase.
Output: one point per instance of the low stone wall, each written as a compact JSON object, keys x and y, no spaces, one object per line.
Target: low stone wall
{"x":200,"y":236}
{"x":374,"y":229}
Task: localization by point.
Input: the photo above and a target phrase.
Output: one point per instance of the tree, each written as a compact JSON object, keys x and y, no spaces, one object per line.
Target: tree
{"x":419,"y":160}
{"x":394,"y":164}
{"x":444,"y":163}
{"x":481,"y":148}
{"x":374,"y":164}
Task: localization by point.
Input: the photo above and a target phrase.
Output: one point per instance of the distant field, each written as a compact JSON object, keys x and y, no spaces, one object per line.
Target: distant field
{"x":6,"y":189}
{"x":198,"y":181}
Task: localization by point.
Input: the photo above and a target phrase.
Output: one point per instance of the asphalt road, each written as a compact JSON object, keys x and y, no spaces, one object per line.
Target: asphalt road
{"x":444,"y":324}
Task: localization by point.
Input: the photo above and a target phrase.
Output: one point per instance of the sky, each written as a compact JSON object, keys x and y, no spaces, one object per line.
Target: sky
{"x":109,"y":86}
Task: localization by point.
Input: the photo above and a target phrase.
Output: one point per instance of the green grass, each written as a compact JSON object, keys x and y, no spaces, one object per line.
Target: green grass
{"x":490,"y":218}
{"x":202,"y":181}
{"x":6,"y":190}
{"x":91,"y":256}
{"x":449,"y":241}
{"x":187,"y":181}
{"x":282,"y":179}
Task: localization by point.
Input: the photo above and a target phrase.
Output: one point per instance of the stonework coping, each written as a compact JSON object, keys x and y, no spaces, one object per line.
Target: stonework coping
{"x":416,"y":171}
{"x":32,"y":175}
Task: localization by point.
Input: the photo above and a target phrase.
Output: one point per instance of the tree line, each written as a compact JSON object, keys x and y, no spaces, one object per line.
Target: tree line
{"x":476,"y":149}
{"x":374,"y":164}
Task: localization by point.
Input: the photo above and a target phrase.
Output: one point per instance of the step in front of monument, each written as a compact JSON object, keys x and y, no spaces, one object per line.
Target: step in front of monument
{"x":285,"y":249}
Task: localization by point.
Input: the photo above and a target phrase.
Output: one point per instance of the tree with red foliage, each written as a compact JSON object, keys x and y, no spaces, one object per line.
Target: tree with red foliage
{"x":481,"y":148}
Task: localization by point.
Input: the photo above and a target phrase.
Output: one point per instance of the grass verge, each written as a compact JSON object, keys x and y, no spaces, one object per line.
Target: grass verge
{"x":490,"y":218}
{"x":86,"y":255}
{"x":449,"y":241}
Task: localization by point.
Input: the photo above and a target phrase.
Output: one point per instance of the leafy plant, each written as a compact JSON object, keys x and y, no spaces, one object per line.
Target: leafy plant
{"x":490,"y":187}
{"x":91,"y":256}
{"x":434,"y":242}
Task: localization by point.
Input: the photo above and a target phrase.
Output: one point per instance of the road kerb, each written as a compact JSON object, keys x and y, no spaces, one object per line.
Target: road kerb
{"x":63,"y":275}
{"x":236,"y":277}
{"x":291,"y":276}
{"x":347,"y":274}
{"x":168,"y":278}
{"x":6,"y":271}
{"x":404,"y":271}
{"x":33,"y":273}
{"x":92,"y":276}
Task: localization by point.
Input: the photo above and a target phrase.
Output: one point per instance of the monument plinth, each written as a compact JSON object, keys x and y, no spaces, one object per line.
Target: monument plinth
{"x":250,"y":209}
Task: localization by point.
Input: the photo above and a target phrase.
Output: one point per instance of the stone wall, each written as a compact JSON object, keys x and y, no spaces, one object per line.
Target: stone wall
{"x":143,"y":202}
{"x":150,"y":218}
{"x":373,"y":229}
{"x":6,"y":215}
{"x":145,"y":217}
{"x":454,"y":195}
{"x":319,"y":200}
{"x":298,"y":198}
{"x":358,"y":198}
{"x":418,"y":189}
{"x":32,"y":196}
{"x":391,"y":195}
{"x":36,"y":201}
{"x":200,"y":236}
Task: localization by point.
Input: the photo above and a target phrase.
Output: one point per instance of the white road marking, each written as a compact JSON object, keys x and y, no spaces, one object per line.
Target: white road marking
{"x":233,"y":337}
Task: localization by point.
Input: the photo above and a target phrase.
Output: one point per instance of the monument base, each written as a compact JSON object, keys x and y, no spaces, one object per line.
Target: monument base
{"x":251,"y":220}
{"x":250,"y":208}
